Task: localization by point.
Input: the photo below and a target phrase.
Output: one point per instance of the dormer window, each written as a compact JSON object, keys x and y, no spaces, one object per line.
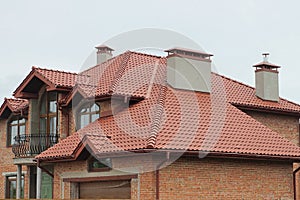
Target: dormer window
{"x":99,"y":165}
{"x":87,"y":114}
{"x":48,"y":117}
{"x":16,"y":127}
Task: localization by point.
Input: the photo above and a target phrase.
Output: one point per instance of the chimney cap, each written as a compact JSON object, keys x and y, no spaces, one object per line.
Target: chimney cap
{"x":104,"y":47}
{"x":265,"y":63}
{"x":185,"y":51}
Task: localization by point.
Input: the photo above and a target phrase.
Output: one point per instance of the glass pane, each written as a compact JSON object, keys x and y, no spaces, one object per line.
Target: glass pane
{"x":22,"y":121}
{"x":13,"y":133}
{"x":12,"y":189}
{"x":83,"y":110}
{"x":53,"y":126}
{"x":52,"y":107}
{"x":84,"y":120}
{"x":94,"y":117}
{"x":94,"y":108}
{"x":43,"y":126}
{"x":22,"y":130}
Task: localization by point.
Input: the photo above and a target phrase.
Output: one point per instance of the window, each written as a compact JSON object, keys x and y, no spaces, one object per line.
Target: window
{"x":88,"y":114}
{"x":16,"y":127}
{"x":11,"y":187}
{"x":103,"y":164}
{"x":48,"y":117}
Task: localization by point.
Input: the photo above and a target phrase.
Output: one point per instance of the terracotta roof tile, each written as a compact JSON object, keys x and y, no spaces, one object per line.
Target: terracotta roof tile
{"x":117,"y":76}
{"x":14,"y":105}
{"x":58,"y":78}
{"x":241,"y":94}
{"x":53,"y":78}
{"x":175,"y":119}
{"x":66,"y":148}
{"x":17,"y":104}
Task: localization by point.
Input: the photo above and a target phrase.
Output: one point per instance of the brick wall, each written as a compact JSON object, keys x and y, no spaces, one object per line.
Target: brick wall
{"x":193,"y":178}
{"x":226,"y":179}
{"x":6,"y":160}
{"x":287,"y":126}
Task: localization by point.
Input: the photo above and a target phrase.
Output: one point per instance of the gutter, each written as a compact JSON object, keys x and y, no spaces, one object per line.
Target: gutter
{"x":183,"y":152}
{"x":266,"y":109}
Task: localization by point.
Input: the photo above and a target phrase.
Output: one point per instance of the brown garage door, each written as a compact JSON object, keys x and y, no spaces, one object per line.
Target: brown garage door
{"x":105,"y":190}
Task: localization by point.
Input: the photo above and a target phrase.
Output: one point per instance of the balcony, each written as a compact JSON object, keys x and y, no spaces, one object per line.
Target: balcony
{"x":32,"y":145}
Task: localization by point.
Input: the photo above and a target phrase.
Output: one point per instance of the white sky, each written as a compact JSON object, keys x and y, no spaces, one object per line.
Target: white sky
{"x":61,"y":34}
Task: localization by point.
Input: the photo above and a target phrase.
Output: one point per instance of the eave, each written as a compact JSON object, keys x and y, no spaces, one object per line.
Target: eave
{"x":199,"y":154}
{"x":266,"y":109}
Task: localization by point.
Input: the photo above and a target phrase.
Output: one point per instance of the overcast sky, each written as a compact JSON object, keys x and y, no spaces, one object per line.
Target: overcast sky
{"x":62,"y":34}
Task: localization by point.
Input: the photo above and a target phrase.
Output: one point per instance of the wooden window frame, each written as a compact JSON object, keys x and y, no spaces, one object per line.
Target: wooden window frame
{"x":9,"y":142}
{"x":48,"y":115}
{"x":7,"y":185}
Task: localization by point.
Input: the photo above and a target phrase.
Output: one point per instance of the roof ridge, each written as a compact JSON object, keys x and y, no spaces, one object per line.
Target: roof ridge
{"x":120,"y":71}
{"x":109,"y":60}
{"x":14,"y":99}
{"x":155,"y":126}
{"x":233,"y":80}
{"x":284,"y":99}
{"x":145,"y":54}
{"x":54,"y":70}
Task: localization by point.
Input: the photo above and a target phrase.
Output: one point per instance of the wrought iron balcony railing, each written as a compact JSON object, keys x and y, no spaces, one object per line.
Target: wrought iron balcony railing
{"x":33,"y":144}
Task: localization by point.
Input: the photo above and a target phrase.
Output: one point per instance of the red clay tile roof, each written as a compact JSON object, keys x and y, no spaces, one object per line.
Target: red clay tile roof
{"x":14,"y":105}
{"x":118,"y":76}
{"x":238,"y":93}
{"x":58,"y":78}
{"x":171,"y":119}
{"x":53,"y":78}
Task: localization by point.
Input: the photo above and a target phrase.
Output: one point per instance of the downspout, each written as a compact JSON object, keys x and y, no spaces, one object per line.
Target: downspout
{"x":157,"y":174}
{"x":294,"y":182}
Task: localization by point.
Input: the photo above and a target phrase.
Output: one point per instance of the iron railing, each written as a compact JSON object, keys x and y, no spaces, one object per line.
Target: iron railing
{"x":33,"y":144}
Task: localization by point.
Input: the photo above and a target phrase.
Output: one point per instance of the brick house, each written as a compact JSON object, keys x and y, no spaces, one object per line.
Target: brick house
{"x":139,"y":126}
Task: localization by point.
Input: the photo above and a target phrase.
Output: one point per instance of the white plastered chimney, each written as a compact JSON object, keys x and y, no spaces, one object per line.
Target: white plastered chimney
{"x":189,"y":69}
{"x":104,"y":53}
{"x":266,"y":80}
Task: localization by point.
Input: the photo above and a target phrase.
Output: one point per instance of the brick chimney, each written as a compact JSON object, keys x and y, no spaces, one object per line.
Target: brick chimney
{"x":103,"y":53}
{"x":266,"y":80}
{"x":189,"y":69}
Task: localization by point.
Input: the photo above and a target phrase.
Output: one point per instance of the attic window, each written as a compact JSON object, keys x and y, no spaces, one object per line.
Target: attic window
{"x":100,"y":165}
{"x":88,"y":114}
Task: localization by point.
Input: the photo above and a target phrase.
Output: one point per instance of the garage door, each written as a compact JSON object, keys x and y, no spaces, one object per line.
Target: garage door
{"x":105,"y":190}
